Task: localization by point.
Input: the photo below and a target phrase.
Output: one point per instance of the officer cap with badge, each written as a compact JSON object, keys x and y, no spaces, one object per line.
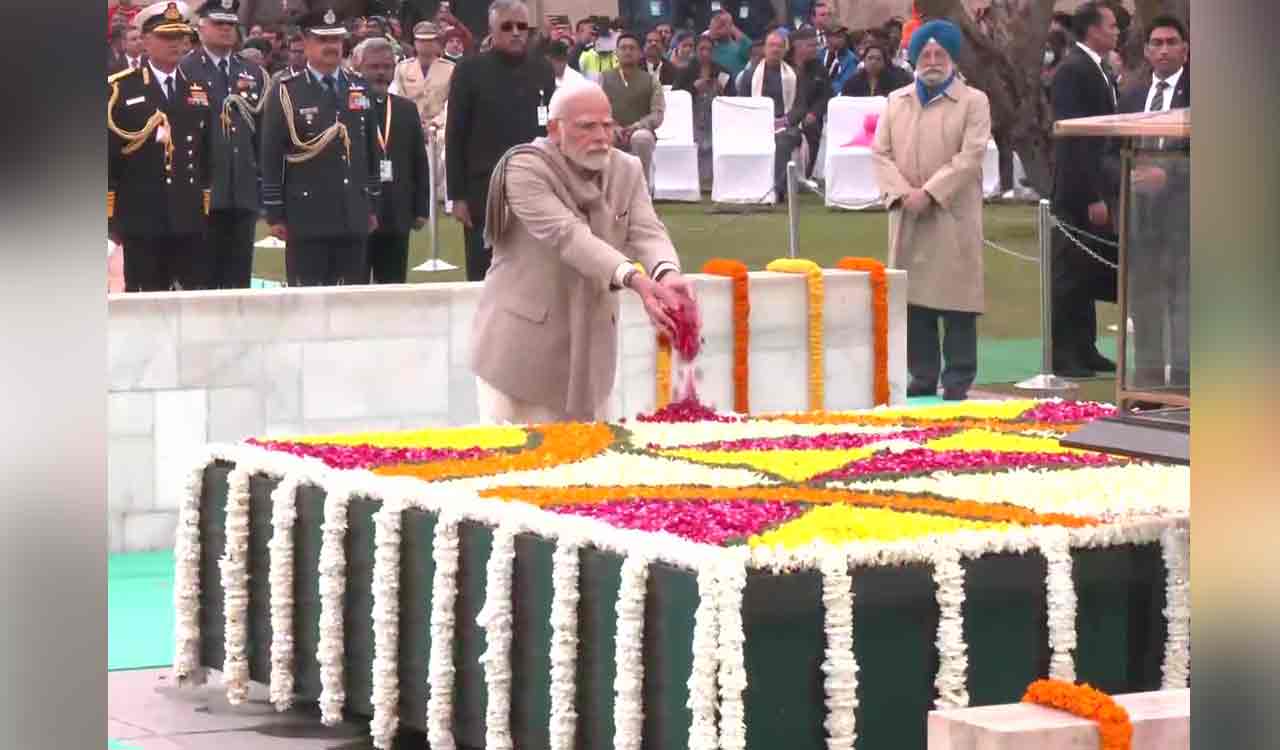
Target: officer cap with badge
{"x":221,"y":11}
{"x":326,"y":23}
{"x":165,"y":17}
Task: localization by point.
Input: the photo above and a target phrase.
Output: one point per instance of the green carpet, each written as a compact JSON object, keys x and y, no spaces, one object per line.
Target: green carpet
{"x":139,"y":610}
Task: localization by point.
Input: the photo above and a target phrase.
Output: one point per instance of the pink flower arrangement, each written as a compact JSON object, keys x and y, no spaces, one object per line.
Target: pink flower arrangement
{"x":704,"y":521}
{"x":685,"y":410}
{"x":830,"y":442}
{"x":923,"y":460}
{"x":1067,"y":411}
{"x":368,"y":456}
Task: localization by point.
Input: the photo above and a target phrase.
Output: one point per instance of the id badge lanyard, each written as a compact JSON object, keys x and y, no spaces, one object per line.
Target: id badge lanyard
{"x":384,"y":142}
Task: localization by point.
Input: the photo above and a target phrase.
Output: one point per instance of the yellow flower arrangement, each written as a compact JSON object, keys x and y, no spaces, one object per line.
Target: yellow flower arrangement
{"x":813,"y":274}
{"x":443,"y":438}
{"x":1004,"y":442}
{"x":840,"y":523}
{"x":793,"y":465}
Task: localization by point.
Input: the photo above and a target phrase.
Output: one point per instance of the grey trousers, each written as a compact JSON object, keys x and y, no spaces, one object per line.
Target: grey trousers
{"x":959,"y":347}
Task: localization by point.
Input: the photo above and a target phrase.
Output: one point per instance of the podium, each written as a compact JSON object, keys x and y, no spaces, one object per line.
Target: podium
{"x":1153,"y":373}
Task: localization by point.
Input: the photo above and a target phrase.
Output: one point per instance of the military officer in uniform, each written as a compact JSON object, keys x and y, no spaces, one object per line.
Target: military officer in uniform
{"x":320,"y":179}
{"x":236,"y":89}
{"x":159,"y":125}
{"x":424,"y":80}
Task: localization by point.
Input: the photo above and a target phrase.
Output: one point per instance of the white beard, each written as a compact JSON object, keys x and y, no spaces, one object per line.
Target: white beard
{"x":589,"y":162}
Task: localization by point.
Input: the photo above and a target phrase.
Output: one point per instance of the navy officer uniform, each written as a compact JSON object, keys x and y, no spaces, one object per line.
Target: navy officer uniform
{"x":158,"y":133}
{"x":236,"y":92}
{"x":320,"y":167}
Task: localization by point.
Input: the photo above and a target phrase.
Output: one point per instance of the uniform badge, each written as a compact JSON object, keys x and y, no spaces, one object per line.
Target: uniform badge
{"x":357,"y":101}
{"x":227,"y":4}
{"x":198,"y":98}
{"x":171,"y":12}
{"x":329,"y":17}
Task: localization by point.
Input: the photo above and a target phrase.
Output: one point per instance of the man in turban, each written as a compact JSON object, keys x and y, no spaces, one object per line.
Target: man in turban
{"x":928,"y":154}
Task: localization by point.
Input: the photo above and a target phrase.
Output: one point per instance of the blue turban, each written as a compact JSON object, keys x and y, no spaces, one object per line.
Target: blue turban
{"x":944,"y":32}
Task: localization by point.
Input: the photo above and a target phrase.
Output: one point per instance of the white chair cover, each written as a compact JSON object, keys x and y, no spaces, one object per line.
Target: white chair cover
{"x":675,"y":157}
{"x":848,"y":170}
{"x":742,"y":150}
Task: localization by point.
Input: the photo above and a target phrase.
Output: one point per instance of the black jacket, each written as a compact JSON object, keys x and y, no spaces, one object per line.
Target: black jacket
{"x":666,"y":71}
{"x":407,"y":195}
{"x":812,"y":91}
{"x":235,"y":143}
{"x":1178,"y":186}
{"x":150,"y":198}
{"x":687,"y":76}
{"x":330,"y":194}
{"x":1081,"y":175}
{"x":891,"y":79}
{"x":1135,"y":99}
{"x":493,"y":105}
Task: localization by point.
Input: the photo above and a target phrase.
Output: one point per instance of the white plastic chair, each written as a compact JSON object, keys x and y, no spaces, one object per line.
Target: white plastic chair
{"x":742,"y":150}
{"x":675,"y":156}
{"x":848,"y":170}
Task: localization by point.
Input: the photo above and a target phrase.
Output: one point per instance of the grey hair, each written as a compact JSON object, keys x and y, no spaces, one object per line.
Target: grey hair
{"x":561,"y":99}
{"x":501,"y":6}
{"x":372,"y":44}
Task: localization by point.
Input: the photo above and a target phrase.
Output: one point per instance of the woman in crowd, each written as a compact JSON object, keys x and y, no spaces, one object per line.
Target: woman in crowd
{"x":838,"y":60}
{"x":704,"y":79}
{"x":682,"y":51}
{"x":877,"y":77}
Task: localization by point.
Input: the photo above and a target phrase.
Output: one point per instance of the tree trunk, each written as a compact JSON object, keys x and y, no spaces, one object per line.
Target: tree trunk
{"x":1003,"y":58}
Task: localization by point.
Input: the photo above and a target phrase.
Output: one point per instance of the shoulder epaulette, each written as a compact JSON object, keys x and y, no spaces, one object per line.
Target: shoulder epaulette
{"x":121,"y":74}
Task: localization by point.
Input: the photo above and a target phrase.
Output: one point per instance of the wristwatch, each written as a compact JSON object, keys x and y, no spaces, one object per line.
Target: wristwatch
{"x":626,"y":280}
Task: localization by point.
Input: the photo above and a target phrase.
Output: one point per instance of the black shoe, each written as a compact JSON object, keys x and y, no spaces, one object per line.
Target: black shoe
{"x":955,"y":394}
{"x":916,"y":390}
{"x":1095,"y":361}
{"x":1070,"y":368}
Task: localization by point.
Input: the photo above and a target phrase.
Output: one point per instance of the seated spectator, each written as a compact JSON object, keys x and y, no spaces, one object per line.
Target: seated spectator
{"x":877,"y":77}
{"x":704,"y":79}
{"x":655,"y":61}
{"x":456,"y":44}
{"x":742,"y":82}
{"x":558,"y":56}
{"x":682,"y":50}
{"x":636,"y":100}
{"x":815,"y":88}
{"x":584,"y":35}
{"x":733,"y":48}
{"x":838,"y":60}
{"x":774,"y":78}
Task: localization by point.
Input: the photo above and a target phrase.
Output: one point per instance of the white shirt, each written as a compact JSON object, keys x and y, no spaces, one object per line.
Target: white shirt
{"x":163,"y":78}
{"x":1168,"y":92}
{"x":570,"y":76}
{"x":1097,"y":60}
{"x":132,"y":62}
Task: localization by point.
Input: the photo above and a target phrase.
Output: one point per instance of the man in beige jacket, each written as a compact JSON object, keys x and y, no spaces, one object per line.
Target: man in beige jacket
{"x":424,"y":80}
{"x":568,"y":217}
{"x":928,"y":154}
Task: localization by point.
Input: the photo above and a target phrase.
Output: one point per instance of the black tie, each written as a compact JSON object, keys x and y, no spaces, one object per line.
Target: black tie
{"x":331,"y":87}
{"x":168,"y":88}
{"x":1157,"y":101}
{"x":226,"y":77}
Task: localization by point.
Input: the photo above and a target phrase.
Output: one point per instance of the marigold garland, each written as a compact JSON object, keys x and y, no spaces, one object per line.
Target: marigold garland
{"x":662,"y":374}
{"x":1086,"y":702}
{"x":879,"y":319}
{"x":813,"y":280}
{"x":561,"y":444}
{"x":737,"y":271}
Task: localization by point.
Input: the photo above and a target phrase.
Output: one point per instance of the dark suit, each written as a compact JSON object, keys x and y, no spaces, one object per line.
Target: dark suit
{"x":892,"y":78}
{"x":1081,"y":177}
{"x":324,"y":201}
{"x":233,"y":214}
{"x":157,"y":205}
{"x":405,"y":195}
{"x":1157,"y":260}
{"x":813,"y":90}
{"x":493,"y":105}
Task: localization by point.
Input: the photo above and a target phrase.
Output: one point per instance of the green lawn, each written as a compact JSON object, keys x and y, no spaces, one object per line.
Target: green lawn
{"x":1010,"y":329}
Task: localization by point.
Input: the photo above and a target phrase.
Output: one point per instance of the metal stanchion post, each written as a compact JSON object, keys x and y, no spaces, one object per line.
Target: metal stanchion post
{"x":433,"y":214}
{"x":793,"y":209}
{"x":1046,"y":380}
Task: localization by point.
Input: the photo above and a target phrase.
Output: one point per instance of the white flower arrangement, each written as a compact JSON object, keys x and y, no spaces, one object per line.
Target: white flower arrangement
{"x":386,"y":622}
{"x":234,"y":567}
{"x":732,"y":677}
{"x":703,"y":733}
{"x":186,"y":580}
{"x":565,"y":564}
{"x":840,"y":664}
{"x":628,"y":681}
{"x":444,"y":594}
{"x":283,"y":515}
{"x":1176,"y":549}
{"x":1060,"y":598}
{"x":495,"y":618}
{"x":953,"y":659}
{"x":333,"y":587}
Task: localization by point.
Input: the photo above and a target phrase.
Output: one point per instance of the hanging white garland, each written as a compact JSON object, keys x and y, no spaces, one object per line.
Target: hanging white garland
{"x":703,"y":733}
{"x":733,"y":672}
{"x":628,"y":682}
{"x":386,"y":623}
{"x":495,"y":618}
{"x":565,"y":566}
{"x":1060,"y":599}
{"x":280,"y":575}
{"x":444,"y":594}
{"x":333,"y":587}
{"x":186,"y":580}
{"x":234,"y":567}
{"x":953,"y":659}
{"x":840,"y":664}
{"x":1175,"y":544}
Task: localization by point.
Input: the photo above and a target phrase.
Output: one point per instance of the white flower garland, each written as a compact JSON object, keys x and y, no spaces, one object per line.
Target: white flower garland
{"x":386,"y":623}
{"x":495,"y":618}
{"x":1060,"y":597}
{"x":840,"y":664}
{"x":333,"y":587}
{"x":234,"y":566}
{"x":628,"y":682}
{"x":733,"y":671}
{"x":283,"y":515}
{"x":444,"y":594}
{"x":186,"y":580}
{"x":565,"y":564}
{"x":703,"y":733}
{"x":1176,"y":548}
{"x":953,"y":658}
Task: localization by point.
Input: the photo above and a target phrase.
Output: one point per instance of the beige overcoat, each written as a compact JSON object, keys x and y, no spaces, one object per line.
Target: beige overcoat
{"x":546,"y":328}
{"x":940,"y":148}
{"x":430,"y":92}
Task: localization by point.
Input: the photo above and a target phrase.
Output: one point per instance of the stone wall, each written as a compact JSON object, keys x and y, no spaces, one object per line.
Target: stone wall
{"x":192,"y":368}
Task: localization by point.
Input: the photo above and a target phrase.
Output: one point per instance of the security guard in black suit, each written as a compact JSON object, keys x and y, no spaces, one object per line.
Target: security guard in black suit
{"x":159,"y":125}
{"x":236,"y":90}
{"x":319,"y":162}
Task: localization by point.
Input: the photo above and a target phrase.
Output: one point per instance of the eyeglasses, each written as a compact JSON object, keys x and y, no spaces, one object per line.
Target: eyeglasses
{"x":510,"y":26}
